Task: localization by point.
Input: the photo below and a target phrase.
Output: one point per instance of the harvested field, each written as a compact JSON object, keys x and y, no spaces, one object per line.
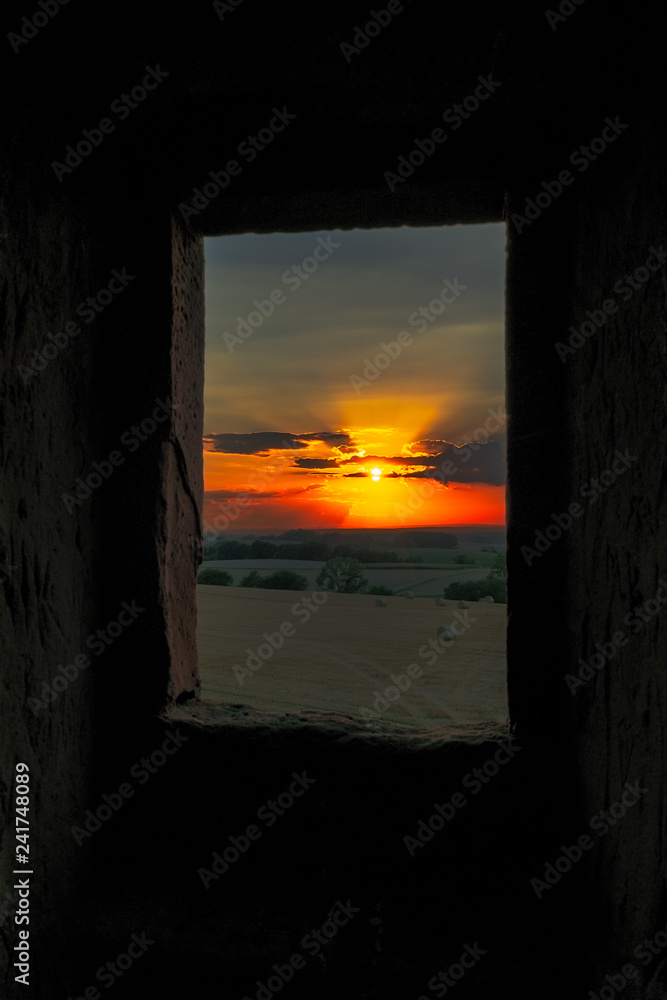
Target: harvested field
{"x":349,"y":657}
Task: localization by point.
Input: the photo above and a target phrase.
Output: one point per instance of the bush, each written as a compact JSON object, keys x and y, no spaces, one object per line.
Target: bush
{"x":282,"y":579}
{"x":342,"y":575}
{"x":472,"y":590}
{"x":465,"y":590}
{"x":380,"y":591}
{"x":285,"y":579}
{"x":219,"y":577}
{"x":463,"y":559}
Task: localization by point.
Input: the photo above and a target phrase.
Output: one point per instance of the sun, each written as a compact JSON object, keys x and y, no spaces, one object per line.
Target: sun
{"x":376,"y":473}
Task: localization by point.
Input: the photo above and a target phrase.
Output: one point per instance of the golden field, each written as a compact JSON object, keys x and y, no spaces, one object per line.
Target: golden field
{"x":345,"y":656}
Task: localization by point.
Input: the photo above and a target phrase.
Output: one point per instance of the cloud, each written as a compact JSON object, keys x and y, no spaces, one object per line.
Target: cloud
{"x":469,"y":463}
{"x":315,"y":463}
{"x":335,"y":439}
{"x":430,"y":447}
{"x":365,"y":293}
{"x":220,"y":496}
{"x":262,"y":442}
{"x":247,"y":496}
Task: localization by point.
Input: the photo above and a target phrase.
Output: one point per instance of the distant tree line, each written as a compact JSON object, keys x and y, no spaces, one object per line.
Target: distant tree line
{"x":402,"y":540}
{"x":300,"y":543}
{"x":282,"y":579}
{"x":427,"y":540}
{"x":263,"y":549}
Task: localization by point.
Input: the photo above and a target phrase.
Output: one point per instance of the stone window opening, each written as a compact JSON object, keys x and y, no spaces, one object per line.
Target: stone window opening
{"x":258,"y":658}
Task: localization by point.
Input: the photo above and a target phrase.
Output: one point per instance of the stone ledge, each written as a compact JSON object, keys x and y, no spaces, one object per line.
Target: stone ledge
{"x":239,"y":718}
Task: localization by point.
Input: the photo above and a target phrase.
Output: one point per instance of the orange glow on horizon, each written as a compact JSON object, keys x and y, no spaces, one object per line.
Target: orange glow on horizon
{"x":302,"y":488}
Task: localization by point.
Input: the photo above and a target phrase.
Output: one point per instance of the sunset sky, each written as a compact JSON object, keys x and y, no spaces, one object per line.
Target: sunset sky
{"x":304,"y":428}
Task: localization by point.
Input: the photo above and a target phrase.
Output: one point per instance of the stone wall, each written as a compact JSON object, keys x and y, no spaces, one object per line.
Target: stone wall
{"x":99,"y":542}
{"x":133,"y":539}
{"x":48,"y":604}
{"x":585,"y":389}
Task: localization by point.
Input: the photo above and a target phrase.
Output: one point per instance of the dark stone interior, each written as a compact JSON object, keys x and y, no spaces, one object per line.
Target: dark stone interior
{"x":137,"y":538}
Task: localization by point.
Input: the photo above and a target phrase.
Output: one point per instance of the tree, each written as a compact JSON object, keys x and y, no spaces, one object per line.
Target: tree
{"x":285,"y":579}
{"x":381,"y":590}
{"x":342,"y":575}
{"x":463,"y":559}
{"x":219,"y":577}
{"x":261,"y":549}
{"x":465,"y":590}
{"x":497,"y":569}
{"x":232,"y":550}
{"x":472,"y":590}
{"x":282,"y":579}
{"x":308,"y":550}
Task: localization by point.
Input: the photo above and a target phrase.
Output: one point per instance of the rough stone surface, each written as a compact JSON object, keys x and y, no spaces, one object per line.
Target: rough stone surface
{"x":134,"y":538}
{"x":48,"y":582}
{"x":603,"y":398}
